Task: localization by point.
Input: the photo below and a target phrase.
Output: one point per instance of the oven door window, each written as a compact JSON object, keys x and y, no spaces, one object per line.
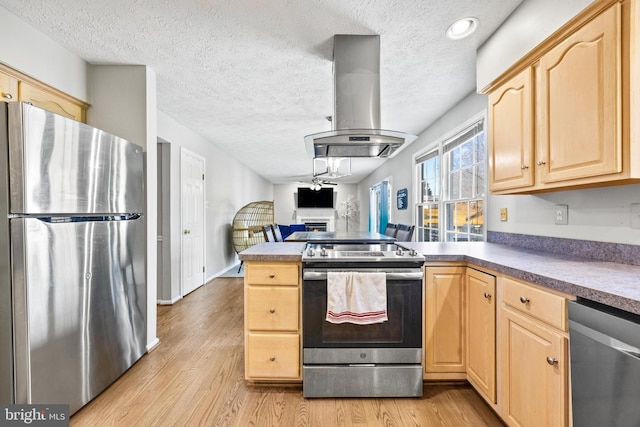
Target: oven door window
{"x":402,"y":330}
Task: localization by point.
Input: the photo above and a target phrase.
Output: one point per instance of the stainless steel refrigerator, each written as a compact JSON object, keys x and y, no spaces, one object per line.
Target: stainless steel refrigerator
{"x":72,"y":258}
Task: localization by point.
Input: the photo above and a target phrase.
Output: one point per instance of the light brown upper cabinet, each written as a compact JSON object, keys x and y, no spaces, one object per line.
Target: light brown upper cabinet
{"x":8,"y":88}
{"x":15,"y":86}
{"x":51,"y":102}
{"x":563,"y":116}
{"x":511,"y":133}
{"x":579,"y":103}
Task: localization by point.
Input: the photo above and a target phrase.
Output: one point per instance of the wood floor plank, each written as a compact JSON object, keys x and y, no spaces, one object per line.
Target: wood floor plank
{"x":195,"y":377}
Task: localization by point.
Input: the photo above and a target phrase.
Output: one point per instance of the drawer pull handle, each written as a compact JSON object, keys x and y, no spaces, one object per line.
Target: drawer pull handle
{"x":524,"y":300}
{"x":272,"y":310}
{"x":487,"y":295}
{"x":272,"y":358}
{"x":272,"y":275}
{"x":523,"y":167}
{"x":552,"y":361}
{"x":541,"y":162}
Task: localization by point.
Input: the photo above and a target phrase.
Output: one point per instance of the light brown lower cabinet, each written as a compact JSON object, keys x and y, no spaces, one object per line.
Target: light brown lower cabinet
{"x":272,"y":322}
{"x":273,"y":356}
{"x":534,"y":372}
{"x":481,"y":332}
{"x":507,"y":337}
{"x":444,"y":322}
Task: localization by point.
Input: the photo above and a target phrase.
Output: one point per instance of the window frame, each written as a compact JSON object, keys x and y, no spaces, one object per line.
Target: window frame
{"x":442,"y":147}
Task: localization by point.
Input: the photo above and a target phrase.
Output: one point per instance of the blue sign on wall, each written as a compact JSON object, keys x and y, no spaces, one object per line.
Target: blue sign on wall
{"x":402,"y":198}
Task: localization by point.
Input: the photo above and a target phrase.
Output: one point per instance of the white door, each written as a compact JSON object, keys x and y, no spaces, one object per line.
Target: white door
{"x":192,"y":198}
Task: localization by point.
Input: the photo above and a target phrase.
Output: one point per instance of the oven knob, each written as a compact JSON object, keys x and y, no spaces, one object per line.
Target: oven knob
{"x":310,"y":252}
{"x":400,"y":252}
{"x":413,"y":252}
{"x":323,"y":252}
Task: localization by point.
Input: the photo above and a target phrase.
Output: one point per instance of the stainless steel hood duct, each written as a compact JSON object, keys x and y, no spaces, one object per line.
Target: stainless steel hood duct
{"x":356,"y":115}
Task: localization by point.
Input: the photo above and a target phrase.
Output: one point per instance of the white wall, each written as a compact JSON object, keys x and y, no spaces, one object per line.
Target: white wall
{"x":400,"y":169}
{"x":32,"y":52}
{"x":123,"y":102}
{"x":531,"y":23}
{"x":229,"y":185}
{"x":284,"y":205}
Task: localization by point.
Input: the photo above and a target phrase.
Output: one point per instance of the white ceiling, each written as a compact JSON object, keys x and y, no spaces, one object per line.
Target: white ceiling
{"x":255,"y":76}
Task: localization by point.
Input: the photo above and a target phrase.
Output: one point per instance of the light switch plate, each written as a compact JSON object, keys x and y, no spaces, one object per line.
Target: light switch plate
{"x":561,"y":214}
{"x":635,"y":215}
{"x":503,"y":215}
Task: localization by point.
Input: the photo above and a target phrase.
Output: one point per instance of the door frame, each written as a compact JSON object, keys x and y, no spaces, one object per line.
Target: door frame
{"x":183,"y":152}
{"x":375,"y":214}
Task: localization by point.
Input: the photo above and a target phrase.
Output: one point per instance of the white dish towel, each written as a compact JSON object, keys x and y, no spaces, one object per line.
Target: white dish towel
{"x":356,"y":297}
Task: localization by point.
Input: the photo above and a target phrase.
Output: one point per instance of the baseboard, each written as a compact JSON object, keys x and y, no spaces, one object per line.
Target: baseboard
{"x":153,"y":345}
{"x":169,"y":302}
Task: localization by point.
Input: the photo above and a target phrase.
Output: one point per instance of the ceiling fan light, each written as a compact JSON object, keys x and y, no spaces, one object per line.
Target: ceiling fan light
{"x":331,"y":167}
{"x":462,"y":28}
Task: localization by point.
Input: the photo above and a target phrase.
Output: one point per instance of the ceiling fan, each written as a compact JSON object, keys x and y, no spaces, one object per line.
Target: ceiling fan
{"x":317,"y":183}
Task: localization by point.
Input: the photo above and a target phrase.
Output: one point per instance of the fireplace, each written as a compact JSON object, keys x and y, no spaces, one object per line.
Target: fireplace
{"x":315,"y":226}
{"x":317,"y":219}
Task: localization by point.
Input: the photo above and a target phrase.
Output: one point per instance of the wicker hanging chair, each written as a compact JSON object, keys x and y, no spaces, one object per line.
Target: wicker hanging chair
{"x":246,"y":227}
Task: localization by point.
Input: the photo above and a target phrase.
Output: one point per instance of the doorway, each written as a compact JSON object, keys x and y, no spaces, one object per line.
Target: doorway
{"x":192,"y":219}
{"x":379,"y":206}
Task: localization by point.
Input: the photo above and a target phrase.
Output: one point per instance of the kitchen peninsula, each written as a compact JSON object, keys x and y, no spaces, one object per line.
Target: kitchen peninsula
{"x":494,"y":314}
{"x":611,"y":283}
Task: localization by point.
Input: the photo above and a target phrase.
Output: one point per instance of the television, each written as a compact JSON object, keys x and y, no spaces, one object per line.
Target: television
{"x":308,"y":198}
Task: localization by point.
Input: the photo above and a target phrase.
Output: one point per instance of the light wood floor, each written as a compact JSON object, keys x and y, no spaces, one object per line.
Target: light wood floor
{"x":196,"y":377}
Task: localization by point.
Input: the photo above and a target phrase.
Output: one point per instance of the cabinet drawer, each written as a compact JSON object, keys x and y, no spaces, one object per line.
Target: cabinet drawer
{"x":272,"y":274}
{"x":272,"y":308}
{"x":542,"y":305}
{"x":273,"y":356}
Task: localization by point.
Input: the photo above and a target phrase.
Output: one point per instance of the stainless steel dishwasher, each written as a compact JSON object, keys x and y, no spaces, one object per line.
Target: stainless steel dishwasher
{"x":605,"y":365}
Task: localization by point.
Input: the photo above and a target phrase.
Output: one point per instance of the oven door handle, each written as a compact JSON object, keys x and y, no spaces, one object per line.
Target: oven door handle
{"x":391,"y":275}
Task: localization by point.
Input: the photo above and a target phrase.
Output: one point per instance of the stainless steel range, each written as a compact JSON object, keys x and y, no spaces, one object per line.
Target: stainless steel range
{"x":363,"y":360}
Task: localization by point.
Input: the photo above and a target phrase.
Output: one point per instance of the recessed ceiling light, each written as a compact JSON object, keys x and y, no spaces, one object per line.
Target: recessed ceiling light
{"x":462,"y":28}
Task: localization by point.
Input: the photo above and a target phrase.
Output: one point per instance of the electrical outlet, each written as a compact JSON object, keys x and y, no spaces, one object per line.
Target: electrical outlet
{"x":561,"y":214}
{"x":635,"y":215}
{"x":503,"y":215}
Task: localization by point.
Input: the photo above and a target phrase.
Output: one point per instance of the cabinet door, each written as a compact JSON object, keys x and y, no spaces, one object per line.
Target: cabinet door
{"x":511,"y":134}
{"x":444,"y":341}
{"x":51,"y":102}
{"x":579,"y":103}
{"x":534,"y":377}
{"x":8,"y":88}
{"x":481,"y":332}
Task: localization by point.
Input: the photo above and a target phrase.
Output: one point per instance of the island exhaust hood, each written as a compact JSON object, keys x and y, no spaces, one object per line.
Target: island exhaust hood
{"x":356,"y":115}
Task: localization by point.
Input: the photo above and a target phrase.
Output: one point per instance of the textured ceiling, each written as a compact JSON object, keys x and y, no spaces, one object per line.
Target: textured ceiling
{"x":255,"y":76}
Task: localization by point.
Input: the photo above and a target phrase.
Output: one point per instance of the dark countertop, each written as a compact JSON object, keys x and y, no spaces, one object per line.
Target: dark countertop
{"x":274,"y":251}
{"x":613,"y":284}
{"x":339,"y":237}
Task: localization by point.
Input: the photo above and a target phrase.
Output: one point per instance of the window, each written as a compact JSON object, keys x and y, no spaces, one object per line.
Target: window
{"x":429,"y":200}
{"x":451,"y":188}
